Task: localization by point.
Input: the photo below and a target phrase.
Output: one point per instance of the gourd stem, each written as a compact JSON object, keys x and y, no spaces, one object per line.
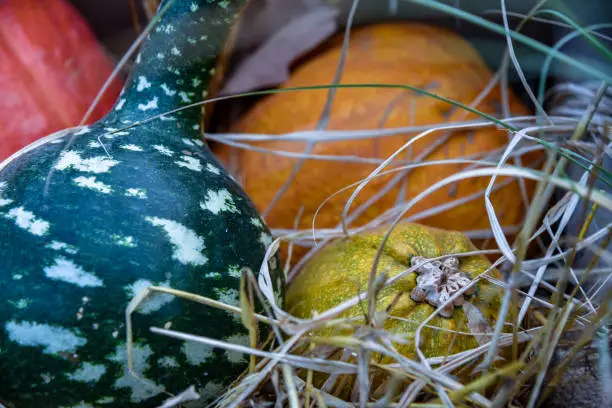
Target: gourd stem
{"x":176,"y":62}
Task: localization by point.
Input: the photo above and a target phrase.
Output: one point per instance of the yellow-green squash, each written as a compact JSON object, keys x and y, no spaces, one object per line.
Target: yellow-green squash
{"x":341,"y":270}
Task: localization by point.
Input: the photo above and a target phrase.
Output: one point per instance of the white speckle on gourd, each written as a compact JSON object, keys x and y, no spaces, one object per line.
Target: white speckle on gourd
{"x":184,"y":97}
{"x":213,"y":169}
{"x":106,"y":400}
{"x":94,"y":144}
{"x":234,"y":356}
{"x":27,"y":220}
{"x":82,"y":131}
{"x":219,"y":201}
{"x":197,"y":353}
{"x":143,"y":83}
{"x":92,"y":184}
{"x":112,"y":134}
{"x":17,"y":276}
{"x":163,"y":150}
{"x":160,"y":55}
{"x":141,"y":388}
{"x":131,"y":147}
{"x":46,"y":377}
{"x":88,"y":373}
{"x":154,"y":301}
{"x":212,"y":275}
{"x":166,"y":117}
{"x":191,"y":163}
{"x":229,"y":296}
{"x":192,"y":40}
{"x":136,"y":192}
{"x":61,"y":246}
{"x":67,"y":271}
{"x":3,"y":201}
{"x":234,"y":271}
{"x":257,"y":222}
{"x":175,"y":51}
{"x":152,"y":104}
{"x":168,"y":362}
{"x":120,"y":104}
{"x":188,"y":246}
{"x":21,"y":303}
{"x":124,"y":240}
{"x":80,"y":313}
{"x":73,"y":159}
{"x":53,"y":339}
{"x":167,"y":90}
{"x":194,"y":7}
{"x":265,"y":239}
{"x":121,"y":133}
{"x":195,"y":82}
{"x":188,"y":142}
{"x":173,"y":70}
{"x":169,"y":28}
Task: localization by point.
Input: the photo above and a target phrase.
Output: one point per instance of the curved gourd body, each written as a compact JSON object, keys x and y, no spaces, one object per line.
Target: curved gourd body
{"x":158,"y":209}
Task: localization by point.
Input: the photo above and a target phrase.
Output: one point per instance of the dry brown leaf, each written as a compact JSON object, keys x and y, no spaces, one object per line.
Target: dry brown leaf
{"x":307,"y":25}
{"x":477,"y":323}
{"x":262,"y":18}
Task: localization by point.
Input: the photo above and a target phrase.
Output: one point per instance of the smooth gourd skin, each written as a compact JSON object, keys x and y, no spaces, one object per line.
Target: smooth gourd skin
{"x":160,"y":210}
{"x":345,"y":265}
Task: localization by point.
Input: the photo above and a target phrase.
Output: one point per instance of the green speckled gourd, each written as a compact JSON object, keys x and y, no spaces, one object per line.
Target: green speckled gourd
{"x":158,"y":209}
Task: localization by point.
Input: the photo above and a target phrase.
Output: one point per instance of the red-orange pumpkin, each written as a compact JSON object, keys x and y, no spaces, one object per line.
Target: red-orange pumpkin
{"x":394,"y":53}
{"x":51,"y":68}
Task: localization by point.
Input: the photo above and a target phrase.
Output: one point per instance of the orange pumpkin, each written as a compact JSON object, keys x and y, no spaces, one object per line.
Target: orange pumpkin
{"x":392,"y":53}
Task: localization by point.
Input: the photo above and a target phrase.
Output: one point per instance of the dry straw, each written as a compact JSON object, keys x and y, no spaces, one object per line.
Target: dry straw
{"x":281,"y":374}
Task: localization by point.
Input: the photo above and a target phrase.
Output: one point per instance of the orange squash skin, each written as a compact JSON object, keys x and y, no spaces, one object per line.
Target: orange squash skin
{"x":415,"y":54}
